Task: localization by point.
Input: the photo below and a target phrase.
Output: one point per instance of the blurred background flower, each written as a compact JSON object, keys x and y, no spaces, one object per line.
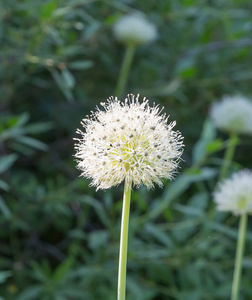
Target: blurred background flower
{"x":134,"y":29}
{"x":235,"y":194}
{"x":233,"y":114}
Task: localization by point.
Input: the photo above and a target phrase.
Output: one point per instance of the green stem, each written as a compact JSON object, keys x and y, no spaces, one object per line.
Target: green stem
{"x":228,"y":156}
{"x":124,"y":73}
{"x":124,"y":243}
{"x":239,"y":256}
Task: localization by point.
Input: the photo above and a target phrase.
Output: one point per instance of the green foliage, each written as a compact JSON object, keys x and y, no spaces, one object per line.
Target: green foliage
{"x":59,"y":238}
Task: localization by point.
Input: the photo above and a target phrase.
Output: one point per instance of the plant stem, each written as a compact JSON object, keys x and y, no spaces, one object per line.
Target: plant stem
{"x":228,"y":156}
{"x":239,"y":256}
{"x":124,"y":73}
{"x":124,"y":243}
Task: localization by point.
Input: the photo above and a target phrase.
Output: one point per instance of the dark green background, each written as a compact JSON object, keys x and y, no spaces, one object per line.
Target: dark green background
{"x":59,"y":238}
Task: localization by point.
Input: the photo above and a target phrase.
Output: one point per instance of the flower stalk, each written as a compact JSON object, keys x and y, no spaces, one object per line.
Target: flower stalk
{"x":124,"y":243}
{"x":239,"y":257}
{"x":125,"y":70}
{"x":228,"y":156}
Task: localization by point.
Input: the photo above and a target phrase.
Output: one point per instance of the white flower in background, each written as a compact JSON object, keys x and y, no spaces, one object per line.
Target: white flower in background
{"x":134,"y":29}
{"x":235,"y":194}
{"x":233,"y":114}
{"x":129,"y":141}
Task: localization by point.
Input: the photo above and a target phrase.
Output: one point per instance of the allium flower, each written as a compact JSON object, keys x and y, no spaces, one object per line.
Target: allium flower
{"x":134,"y":29}
{"x":235,"y":193}
{"x":233,"y":114}
{"x":129,"y":141}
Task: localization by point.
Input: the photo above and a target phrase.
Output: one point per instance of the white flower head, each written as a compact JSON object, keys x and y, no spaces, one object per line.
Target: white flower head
{"x":128,"y":140}
{"x":233,"y":114}
{"x":134,"y":29}
{"x":235,"y":194}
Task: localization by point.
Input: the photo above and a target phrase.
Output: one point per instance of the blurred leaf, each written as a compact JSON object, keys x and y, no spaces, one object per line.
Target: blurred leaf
{"x":160,"y":236}
{"x":247,"y":263}
{"x":42,"y":270}
{"x":97,"y":239}
{"x":81,"y":64}
{"x":224,"y":229}
{"x":207,"y":136}
{"x":31,"y":293}
{"x":48,"y":9}
{"x":4,"y":275}
{"x":38,"y":127}
{"x":6,"y":162}
{"x":21,"y":120}
{"x":166,"y":89}
{"x":34,"y":143}
{"x":6,"y":212}
{"x":61,"y":82}
{"x":98,"y":208}
{"x":61,"y":271}
{"x":69,"y":79}
{"x":188,"y":210}
{"x":214,"y":146}
{"x":176,"y":188}
{"x":11,"y":133}
{"x":137,"y":292}
{"x":195,"y":174}
{"x":186,"y":67}
{"x":4,"y":186}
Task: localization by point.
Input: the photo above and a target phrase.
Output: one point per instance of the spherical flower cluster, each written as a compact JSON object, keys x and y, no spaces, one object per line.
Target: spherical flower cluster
{"x":235,"y":194}
{"x":129,"y":141}
{"x":233,"y":114}
{"x":134,"y":29}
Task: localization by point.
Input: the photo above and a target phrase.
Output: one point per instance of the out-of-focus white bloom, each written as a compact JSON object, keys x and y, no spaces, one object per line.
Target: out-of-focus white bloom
{"x":129,"y":141}
{"x":235,"y":193}
{"x":233,"y":114}
{"x":134,"y":29}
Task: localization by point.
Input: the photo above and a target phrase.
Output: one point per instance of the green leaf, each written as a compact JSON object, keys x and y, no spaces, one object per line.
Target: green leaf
{"x":48,"y":9}
{"x":4,"y":275}
{"x":6,"y":162}
{"x":4,"y":186}
{"x":68,"y":78}
{"x":207,"y":136}
{"x":158,"y":234}
{"x":22,"y":120}
{"x":80,"y":65}
{"x":176,"y":188}
{"x":61,"y":271}
{"x":137,"y":292}
{"x":186,"y":67}
{"x":99,"y":209}
{"x":11,"y":133}
{"x":31,"y":293}
{"x":231,"y":232}
{"x":97,"y":239}
{"x":196,"y":174}
{"x":34,"y":143}
{"x":38,"y":127}
{"x":58,"y":77}
{"x":188,"y":210}
{"x":5,"y":209}
{"x":247,"y":263}
{"x":214,"y":146}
